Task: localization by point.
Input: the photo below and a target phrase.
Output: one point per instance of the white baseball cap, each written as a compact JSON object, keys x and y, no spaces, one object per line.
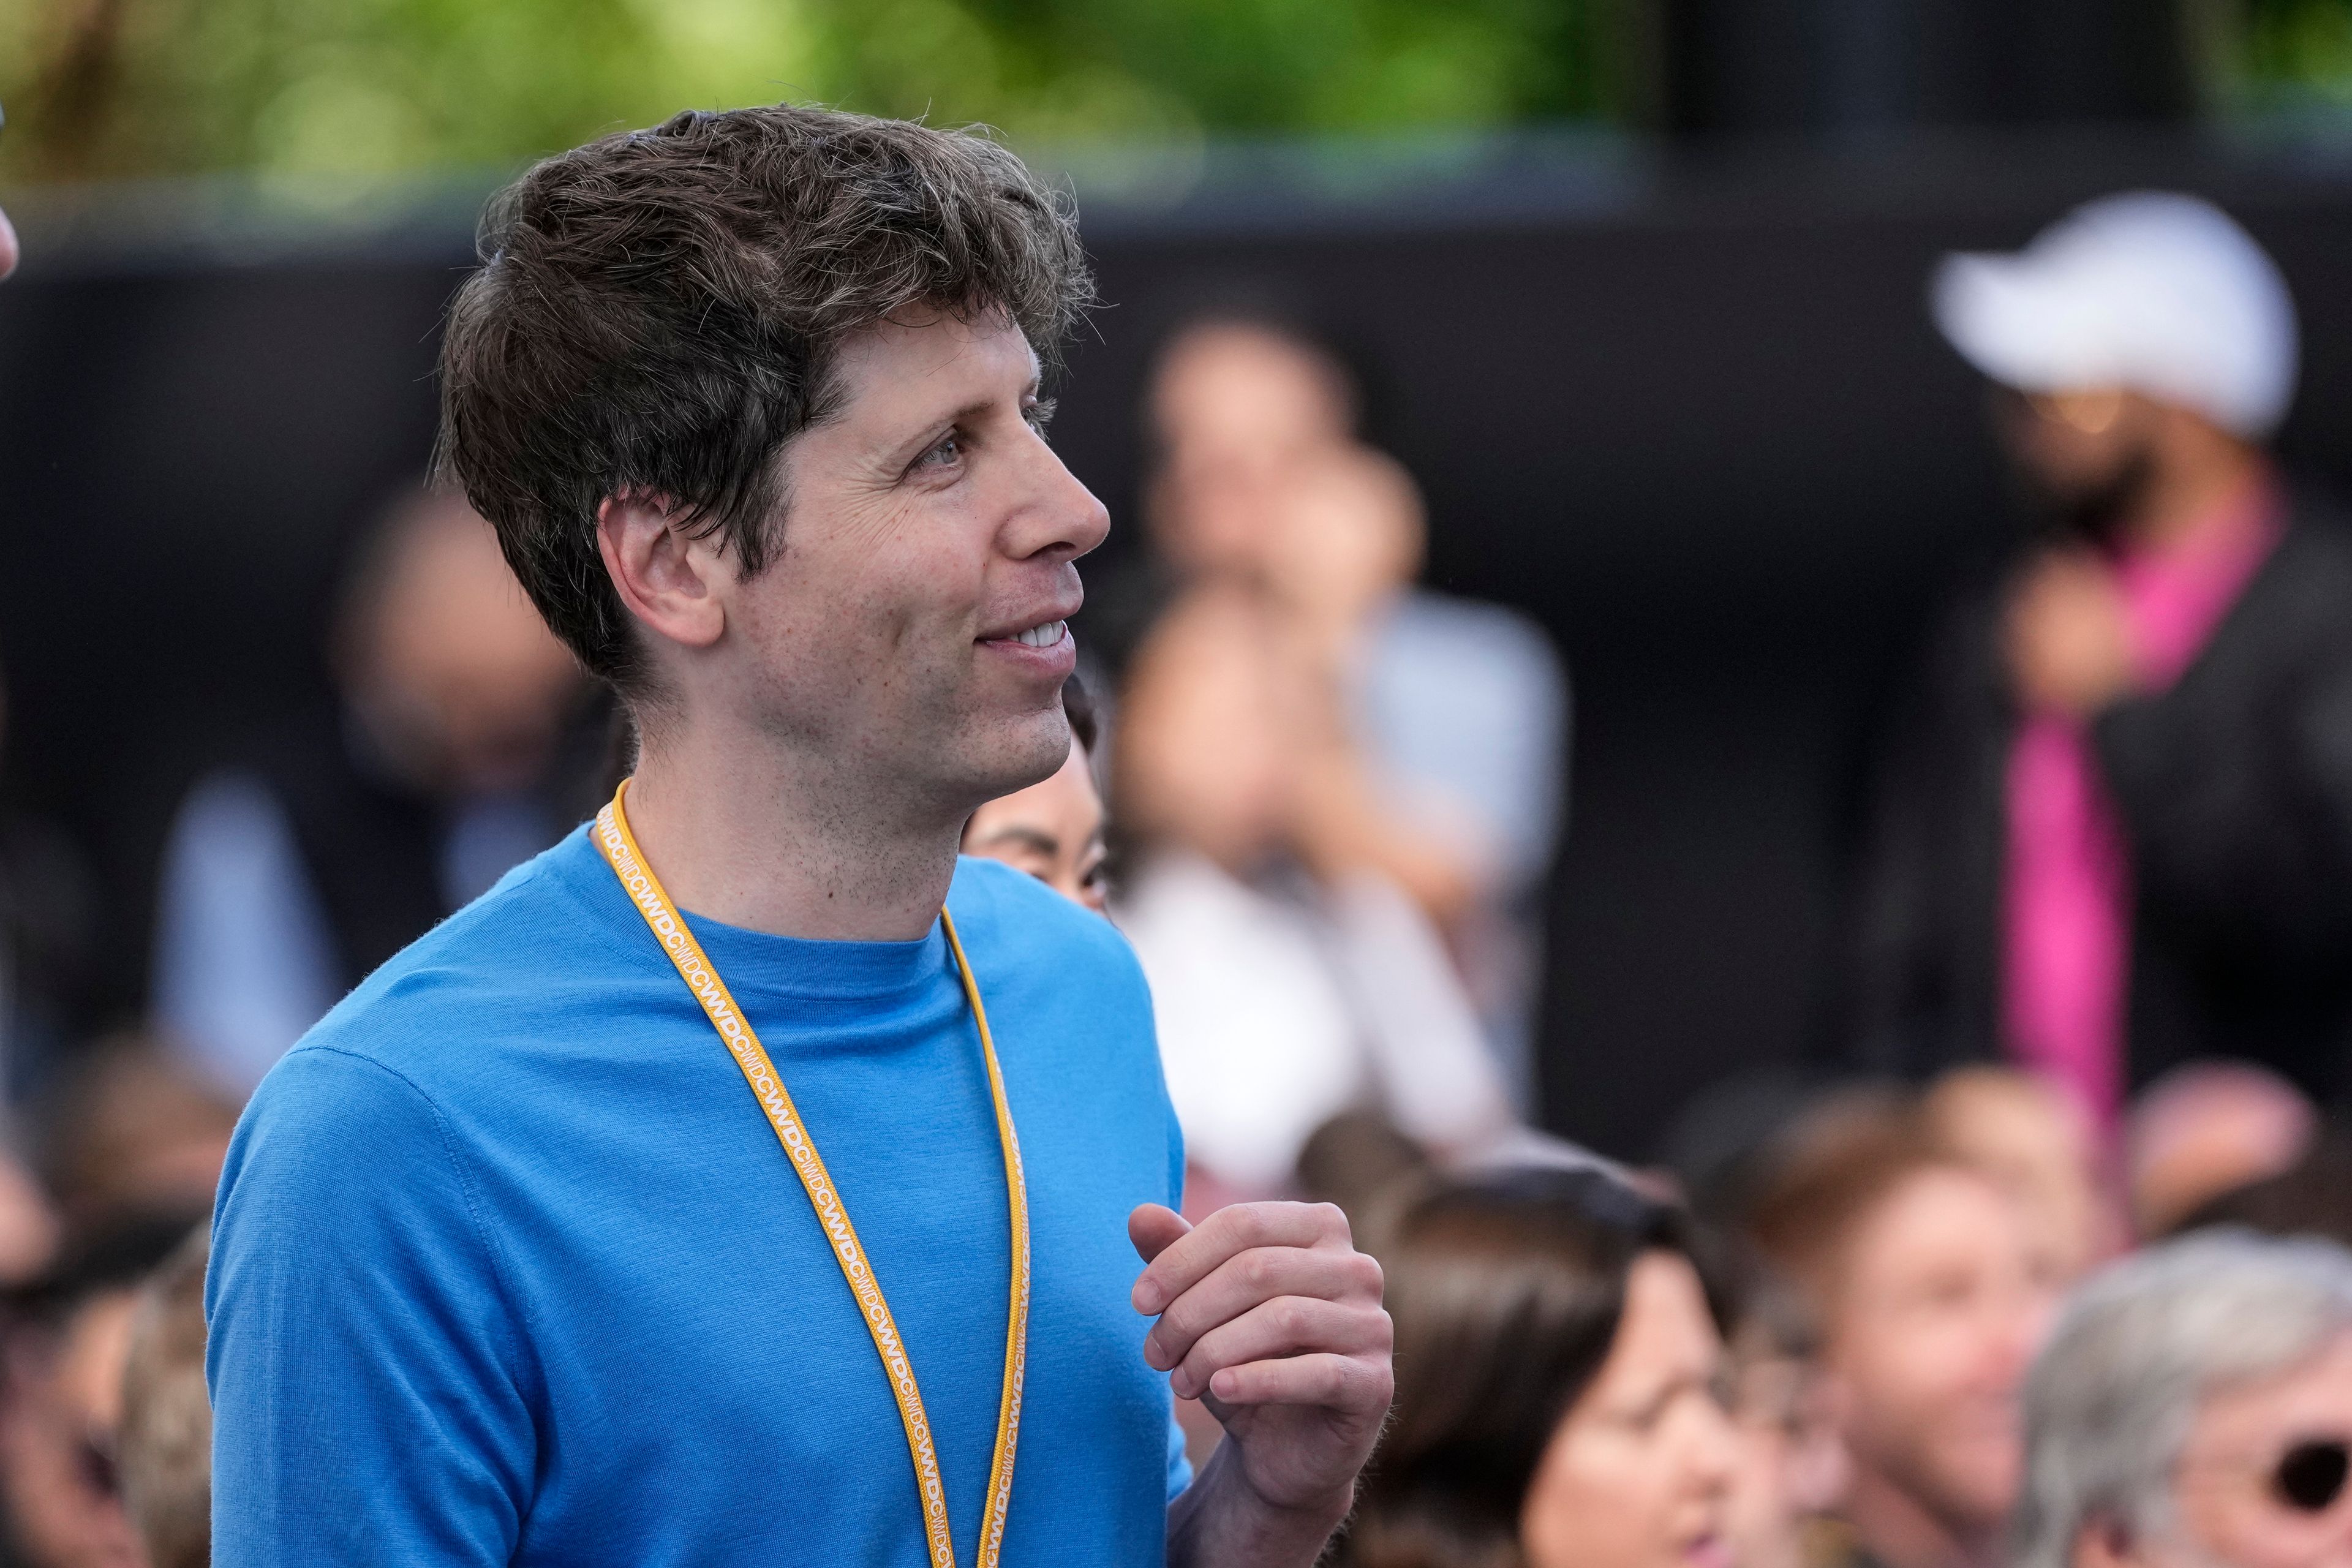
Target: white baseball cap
{"x":2161,"y":294}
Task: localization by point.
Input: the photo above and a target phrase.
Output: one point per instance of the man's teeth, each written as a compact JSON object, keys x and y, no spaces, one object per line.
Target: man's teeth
{"x":1046,"y":636}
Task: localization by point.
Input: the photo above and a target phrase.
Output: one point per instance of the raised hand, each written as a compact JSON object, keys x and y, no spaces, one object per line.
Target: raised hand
{"x":1271,"y":1318}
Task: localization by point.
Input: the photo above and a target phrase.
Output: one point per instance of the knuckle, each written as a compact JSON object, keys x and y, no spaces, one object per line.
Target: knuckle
{"x":1255,"y":1268}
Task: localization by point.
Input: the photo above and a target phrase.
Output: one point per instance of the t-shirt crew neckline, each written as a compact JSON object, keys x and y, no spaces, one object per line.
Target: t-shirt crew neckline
{"x":753,"y":964}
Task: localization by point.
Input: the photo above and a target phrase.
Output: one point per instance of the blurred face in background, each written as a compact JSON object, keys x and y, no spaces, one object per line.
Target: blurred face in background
{"x":2038,"y":1145}
{"x":456,"y":678}
{"x":1233,"y":408}
{"x":56,"y":1439}
{"x":2208,"y":1128}
{"x":1928,"y":1327}
{"x":2089,"y":454}
{"x":1639,"y":1473}
{"x":1343,"y":535}
{"x":1792,"y":1464}
{"x":1053,"y":830}
{"x":2261,"y":1482}
{"x":1204,"y":733}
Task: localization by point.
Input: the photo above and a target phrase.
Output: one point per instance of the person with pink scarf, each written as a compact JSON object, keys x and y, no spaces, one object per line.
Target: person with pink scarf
{"x":2117,"y":834}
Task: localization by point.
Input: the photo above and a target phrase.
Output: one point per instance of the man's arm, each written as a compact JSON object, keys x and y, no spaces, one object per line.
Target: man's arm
{"x":367,"y":1400}
{"x":1270,"y":1316}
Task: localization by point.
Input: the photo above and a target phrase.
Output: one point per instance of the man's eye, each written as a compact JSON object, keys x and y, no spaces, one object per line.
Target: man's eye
{"x":947,"y":452}
{"x":1040,"y":414}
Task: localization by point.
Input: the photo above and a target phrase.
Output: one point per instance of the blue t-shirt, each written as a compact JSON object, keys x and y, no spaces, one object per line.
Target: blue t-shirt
{"x":507,"y":1267}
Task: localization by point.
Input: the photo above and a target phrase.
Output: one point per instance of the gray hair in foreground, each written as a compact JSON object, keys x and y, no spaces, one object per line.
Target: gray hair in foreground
{"x":2109,"y":1402}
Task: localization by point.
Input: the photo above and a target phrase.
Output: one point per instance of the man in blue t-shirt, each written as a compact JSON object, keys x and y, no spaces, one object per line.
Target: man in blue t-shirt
{"x":703,"y":1193}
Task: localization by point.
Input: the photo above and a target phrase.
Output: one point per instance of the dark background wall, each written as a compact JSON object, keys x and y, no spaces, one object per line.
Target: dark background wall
{"x":1686,"y":411}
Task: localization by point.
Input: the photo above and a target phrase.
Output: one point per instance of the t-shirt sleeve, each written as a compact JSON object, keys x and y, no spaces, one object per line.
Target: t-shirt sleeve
{"x":1180,"y":1468}
{"x":362,"y":1362}
{"x":1175,"y":1199}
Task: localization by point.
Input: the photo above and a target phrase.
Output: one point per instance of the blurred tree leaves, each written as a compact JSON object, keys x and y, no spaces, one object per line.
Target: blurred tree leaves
{"x":127,"y":88}
{"x":2291,"y":54}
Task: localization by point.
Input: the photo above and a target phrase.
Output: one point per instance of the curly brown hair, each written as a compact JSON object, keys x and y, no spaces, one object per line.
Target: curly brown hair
{"x":658,"y":313}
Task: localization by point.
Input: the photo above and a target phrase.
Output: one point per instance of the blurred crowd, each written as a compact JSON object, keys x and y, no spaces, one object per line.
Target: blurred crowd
{"x":2044,"y":1263}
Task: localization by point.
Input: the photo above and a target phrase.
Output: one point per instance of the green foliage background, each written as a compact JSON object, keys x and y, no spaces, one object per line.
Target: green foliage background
{"x":132,"y":88}
{"x":112,"y":88}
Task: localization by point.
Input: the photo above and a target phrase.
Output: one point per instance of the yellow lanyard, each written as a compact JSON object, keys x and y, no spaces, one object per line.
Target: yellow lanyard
{"x":644,"y":889}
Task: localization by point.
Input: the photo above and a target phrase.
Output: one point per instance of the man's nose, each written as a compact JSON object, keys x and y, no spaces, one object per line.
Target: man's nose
{"x":1061,"y":517}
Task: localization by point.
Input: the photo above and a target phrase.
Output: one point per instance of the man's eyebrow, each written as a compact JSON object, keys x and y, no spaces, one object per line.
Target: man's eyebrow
{"x":980,"y":406}
{"x":1028,"y":837}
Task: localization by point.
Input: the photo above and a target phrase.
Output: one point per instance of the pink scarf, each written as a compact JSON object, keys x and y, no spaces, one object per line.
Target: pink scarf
{"x":2067,"y":958}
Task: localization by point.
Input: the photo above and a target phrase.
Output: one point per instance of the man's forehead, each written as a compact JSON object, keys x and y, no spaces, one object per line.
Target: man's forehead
{"x":938,"y":355}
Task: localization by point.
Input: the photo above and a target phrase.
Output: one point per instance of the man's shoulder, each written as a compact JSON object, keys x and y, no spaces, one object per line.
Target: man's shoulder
{"x":488,"y":972}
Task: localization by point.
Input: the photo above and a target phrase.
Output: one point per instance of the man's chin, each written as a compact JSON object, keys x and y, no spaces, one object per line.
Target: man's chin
{"x":1021,"y":754}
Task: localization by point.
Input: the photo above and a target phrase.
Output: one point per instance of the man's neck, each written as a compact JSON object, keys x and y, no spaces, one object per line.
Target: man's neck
{"x":1894,"y":1528}
{"x":744,"y":833}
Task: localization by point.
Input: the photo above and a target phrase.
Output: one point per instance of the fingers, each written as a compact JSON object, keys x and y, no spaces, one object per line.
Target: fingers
{"x":1152,"y":1227}
{"x":1329,"y":1380}
{"x":1288,"y":1326}
{"x":1261,"y":1274}
{"x":1193,"y":1257}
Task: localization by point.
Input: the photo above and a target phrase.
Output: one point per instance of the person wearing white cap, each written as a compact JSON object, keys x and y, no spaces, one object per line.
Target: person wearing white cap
{"x":2117,"y":834}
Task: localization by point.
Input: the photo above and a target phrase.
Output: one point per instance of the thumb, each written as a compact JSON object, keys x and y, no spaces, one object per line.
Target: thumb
{"x":1153,"y":1227}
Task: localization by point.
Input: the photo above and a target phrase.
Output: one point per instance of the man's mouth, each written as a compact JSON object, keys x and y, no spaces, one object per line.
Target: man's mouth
{"x":1045,"y":635}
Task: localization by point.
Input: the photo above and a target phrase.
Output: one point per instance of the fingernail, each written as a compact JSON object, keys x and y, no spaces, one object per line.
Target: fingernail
{"x":1151,"y":1353}
{"x":1147,"y":1299}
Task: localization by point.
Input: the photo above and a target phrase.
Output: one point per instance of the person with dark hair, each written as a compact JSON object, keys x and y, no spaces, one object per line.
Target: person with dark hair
{"x":1559,"y":1385}
{"x":746,"y":1177}
{"x":62,"y":1348}
{"x":1054,"y":829}
{"x":1433,"y":729}
{"x":294,"y":872}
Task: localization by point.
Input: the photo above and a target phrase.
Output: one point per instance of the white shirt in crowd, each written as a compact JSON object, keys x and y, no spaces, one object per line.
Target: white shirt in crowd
{"x":1281,"y":1004}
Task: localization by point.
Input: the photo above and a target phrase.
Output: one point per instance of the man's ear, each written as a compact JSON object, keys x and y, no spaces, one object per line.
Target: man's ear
{"x":2105,"y":1541}
{"x":670,"y":578}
